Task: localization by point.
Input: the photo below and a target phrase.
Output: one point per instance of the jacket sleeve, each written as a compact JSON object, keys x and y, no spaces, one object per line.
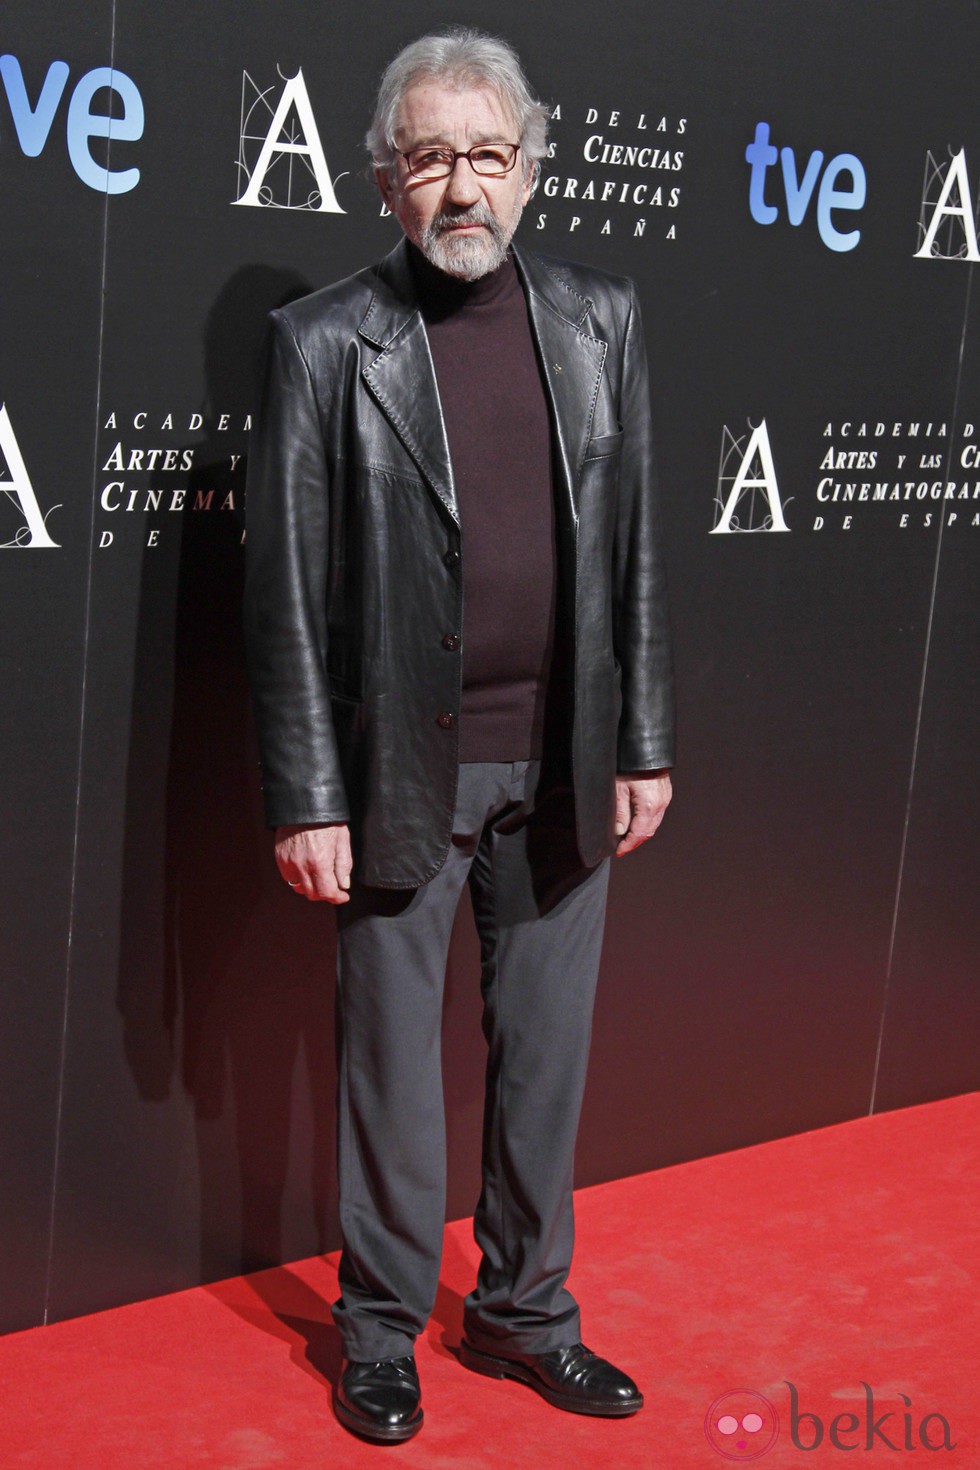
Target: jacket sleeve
{"x":641,"y":629}
{"x":286,"y":541}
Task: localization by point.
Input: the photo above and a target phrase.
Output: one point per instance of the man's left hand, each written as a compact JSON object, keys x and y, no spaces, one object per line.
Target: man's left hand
{"x":642,"y":797}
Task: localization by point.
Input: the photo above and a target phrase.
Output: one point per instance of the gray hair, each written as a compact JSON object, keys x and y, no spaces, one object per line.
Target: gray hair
{"x":461,"y":58}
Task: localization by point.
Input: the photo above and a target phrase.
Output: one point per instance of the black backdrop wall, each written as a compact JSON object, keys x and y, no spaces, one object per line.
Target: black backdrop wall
{"x":797,"y":946}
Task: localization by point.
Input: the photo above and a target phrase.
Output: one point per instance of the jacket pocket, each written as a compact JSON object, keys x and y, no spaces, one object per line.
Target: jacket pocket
{"x":603,"y":446}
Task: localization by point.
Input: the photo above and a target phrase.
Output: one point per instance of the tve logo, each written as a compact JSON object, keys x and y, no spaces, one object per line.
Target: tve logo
{"x":32,"y":123}
{"x":760,"y":155}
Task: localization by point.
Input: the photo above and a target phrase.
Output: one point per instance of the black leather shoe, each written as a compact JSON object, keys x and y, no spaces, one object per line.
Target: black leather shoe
{"x":380,"y":1401}
{"x":570,"y":1378}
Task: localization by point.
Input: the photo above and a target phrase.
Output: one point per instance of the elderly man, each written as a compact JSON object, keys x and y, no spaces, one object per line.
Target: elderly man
{"x":459,"y":655}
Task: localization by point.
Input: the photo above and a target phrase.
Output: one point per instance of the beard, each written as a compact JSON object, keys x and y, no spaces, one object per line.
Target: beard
{"x":468,"y":257}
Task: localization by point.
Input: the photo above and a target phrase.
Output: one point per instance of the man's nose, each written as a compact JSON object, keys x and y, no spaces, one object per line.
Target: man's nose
{"x":462,"y":186}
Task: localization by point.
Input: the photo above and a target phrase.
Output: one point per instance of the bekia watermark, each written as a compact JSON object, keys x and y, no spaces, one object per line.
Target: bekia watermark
{"x":744,"y":1425}
{"x":929,"y":1432}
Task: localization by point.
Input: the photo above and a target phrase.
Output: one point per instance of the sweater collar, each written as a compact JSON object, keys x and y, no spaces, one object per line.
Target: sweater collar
{"x":441,"y":295}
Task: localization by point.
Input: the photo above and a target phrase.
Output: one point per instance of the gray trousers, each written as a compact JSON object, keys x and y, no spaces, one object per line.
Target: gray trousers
{"x":540,"y":918}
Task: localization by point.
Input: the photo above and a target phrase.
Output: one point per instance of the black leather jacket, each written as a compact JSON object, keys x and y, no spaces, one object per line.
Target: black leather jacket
{"x":355,"y":562}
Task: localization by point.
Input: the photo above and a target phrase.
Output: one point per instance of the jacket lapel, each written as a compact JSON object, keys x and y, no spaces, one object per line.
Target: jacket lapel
{"x":571,"y":360}
{"x":402,"y":378}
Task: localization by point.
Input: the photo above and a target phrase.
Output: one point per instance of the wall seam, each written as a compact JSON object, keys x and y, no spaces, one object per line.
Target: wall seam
{"x":926,"y":651}
{"x":86,"y":631}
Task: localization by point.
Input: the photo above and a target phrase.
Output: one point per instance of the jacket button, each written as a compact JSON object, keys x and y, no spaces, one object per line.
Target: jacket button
{"x":446,"y":720}
{"x":450,"y":641}
{"x":451,"y":558}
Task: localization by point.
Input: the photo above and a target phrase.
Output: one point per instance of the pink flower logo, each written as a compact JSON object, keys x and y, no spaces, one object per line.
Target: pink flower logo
{"x":741,"y":1425}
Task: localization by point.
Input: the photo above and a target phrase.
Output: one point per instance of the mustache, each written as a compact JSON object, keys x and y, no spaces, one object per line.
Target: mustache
{"x":476,"y":214}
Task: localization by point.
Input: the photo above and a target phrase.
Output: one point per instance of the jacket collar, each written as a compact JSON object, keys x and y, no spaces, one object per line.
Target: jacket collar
{"x":402,"y":378}
{"x":395,"y":302}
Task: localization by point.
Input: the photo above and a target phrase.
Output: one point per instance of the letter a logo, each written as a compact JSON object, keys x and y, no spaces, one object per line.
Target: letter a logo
{"x":748,"y":498}
{"x":956,"y":220}
{"x":288,"y":169}
{"x":15,"y":484}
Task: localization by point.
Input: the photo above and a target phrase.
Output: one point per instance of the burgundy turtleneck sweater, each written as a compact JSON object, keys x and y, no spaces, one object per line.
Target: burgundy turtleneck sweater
{"x":499,"y":432}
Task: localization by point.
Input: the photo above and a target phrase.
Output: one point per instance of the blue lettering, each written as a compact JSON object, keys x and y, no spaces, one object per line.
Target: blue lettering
{"x":798,"y":193}
{"x":759,"y":155}
{"x":831,"y":198}
{"x":32,"y":125}
{"x":84,"y":124}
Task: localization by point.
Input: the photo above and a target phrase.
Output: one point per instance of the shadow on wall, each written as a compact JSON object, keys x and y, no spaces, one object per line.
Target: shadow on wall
{"x":235,"y":996}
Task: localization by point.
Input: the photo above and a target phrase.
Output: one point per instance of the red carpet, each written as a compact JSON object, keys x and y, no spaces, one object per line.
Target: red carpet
{"x":829,"y":1261}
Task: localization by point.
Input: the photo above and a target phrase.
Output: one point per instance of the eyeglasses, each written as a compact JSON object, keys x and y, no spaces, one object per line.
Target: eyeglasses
{"x":489,"y":160}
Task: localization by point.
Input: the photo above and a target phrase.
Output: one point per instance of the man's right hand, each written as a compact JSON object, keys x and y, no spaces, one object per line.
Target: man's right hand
{"x":316,"y":861}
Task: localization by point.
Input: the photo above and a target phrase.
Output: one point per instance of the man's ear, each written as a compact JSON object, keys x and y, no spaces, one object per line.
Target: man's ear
{"x":386,"y":184}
